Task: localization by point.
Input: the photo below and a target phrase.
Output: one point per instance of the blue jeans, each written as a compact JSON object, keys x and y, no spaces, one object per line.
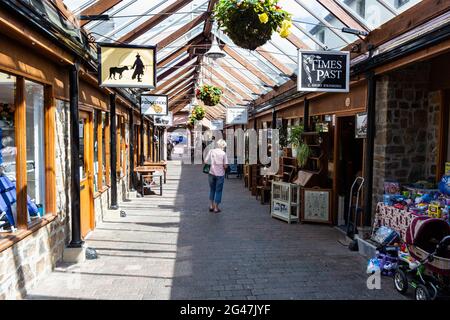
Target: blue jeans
{"x":215,"y":188}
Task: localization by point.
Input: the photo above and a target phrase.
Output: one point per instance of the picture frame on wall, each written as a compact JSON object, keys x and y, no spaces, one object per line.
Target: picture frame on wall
{"x":316,"y":205}
{"x":361,"y":125}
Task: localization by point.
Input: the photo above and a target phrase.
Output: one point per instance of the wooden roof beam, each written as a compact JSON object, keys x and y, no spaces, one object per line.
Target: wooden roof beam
{"x":274,"y":61}
{"x":296,"y":41}
{"x":336,"y":9}
{"x":182,"y":31}
{"x":166,"y":60}
{"x":153,"y":21}
{"x":230,"y":84}
{"x":97,"y":8}
{"x":249,"y":66}
{"x":185,"y":72}
{"x":240,"y":77}
{"x":174,"y":68}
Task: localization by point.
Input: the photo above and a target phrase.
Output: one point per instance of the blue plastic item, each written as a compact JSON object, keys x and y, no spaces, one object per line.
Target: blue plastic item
{"x":444,"y":185}
{"x":8,"y":196}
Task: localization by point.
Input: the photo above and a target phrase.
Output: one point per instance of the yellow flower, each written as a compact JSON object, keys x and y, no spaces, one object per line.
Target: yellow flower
{"x":285,"y":28}
{"x":263,"y":17}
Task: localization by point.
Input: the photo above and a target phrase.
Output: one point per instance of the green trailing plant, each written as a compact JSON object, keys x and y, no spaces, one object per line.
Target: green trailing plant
{"x":197,"y":114}
{"x":250,"y":23}
{"x":295,"y":137}
{"x":284,"y":139}
{"x":297,"y":141}
{"x":303,"y":154}
{"x":210,"y":95}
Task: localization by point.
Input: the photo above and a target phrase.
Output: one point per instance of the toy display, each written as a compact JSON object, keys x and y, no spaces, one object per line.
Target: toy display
{"x":420,"y":198}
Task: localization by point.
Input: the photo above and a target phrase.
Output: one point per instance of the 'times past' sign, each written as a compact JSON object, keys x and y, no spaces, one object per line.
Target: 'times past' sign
{"x":325,"y":71}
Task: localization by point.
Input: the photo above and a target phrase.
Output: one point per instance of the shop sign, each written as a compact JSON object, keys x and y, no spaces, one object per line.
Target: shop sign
{"x":164,"y":121}
{"x":324,"y":71}
{"x":154,"y":104}
{"x":216,"y":125}
{"x":127,"y":66}
{"x":237,"y":115}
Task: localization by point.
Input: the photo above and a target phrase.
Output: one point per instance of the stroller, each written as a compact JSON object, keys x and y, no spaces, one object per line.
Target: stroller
{"x":427,"y":269}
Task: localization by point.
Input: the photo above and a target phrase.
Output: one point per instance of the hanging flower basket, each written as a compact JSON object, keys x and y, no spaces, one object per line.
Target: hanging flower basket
{"x":250,"y":23}
{"x":210,"y":95}
{"x":197,"y":114}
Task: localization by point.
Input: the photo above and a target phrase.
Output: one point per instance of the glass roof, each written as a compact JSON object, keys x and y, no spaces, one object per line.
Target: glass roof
{"x":315,"y":27}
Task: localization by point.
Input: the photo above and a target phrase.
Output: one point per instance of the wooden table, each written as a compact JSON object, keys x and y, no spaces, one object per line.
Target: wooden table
{"x":162,"y":165}
{"x":149,"y":170}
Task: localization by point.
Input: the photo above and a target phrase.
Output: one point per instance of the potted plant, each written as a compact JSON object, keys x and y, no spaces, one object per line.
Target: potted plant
{"x":250,"y":23}
{"x":210,"y":95}
{"x":300,"y":149}
{"x":197,"y":114}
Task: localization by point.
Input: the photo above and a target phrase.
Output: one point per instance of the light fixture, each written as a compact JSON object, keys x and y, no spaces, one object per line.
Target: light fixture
{"x":215,"y":52}
{"x":355,"y":32}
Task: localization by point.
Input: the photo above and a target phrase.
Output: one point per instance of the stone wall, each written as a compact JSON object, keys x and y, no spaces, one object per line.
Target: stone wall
{"x":406,"y":128}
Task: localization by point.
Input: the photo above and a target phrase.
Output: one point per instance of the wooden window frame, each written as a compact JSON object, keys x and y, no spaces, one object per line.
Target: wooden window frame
{"x":108,"y":150}
{"x":23,"y":227}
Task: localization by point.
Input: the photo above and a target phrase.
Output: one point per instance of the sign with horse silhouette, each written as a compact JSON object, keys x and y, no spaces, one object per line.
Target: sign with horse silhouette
{"x":154,"y":104}
{"x":324,"y":71}
{"x":127,"y":66}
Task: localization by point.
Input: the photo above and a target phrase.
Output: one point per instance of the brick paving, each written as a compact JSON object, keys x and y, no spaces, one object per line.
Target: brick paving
{"x":171,"y":247}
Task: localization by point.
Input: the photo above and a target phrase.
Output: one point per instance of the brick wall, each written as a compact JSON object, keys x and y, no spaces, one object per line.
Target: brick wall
{"x":406,"y":128}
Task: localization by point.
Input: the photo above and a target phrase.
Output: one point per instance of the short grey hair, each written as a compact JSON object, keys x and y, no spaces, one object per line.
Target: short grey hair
{"x":221,"y":144}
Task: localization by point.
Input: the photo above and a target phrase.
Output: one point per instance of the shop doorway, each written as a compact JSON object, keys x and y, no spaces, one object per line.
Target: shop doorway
{"x":349,"y":164}
{"x":86,"y":173}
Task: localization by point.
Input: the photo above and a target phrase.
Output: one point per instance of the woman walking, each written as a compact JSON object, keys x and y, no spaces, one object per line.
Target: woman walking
{"x":218,"y":161}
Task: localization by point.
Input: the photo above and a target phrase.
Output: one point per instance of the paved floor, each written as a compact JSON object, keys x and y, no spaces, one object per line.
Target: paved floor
{"x":171,"y":247}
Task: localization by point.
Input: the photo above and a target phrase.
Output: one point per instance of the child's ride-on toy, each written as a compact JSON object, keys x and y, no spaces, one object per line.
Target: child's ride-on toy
{"x":427,"y":266}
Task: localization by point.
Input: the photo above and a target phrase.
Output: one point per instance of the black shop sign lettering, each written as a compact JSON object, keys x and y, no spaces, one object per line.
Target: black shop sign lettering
{"x":324,"y":71}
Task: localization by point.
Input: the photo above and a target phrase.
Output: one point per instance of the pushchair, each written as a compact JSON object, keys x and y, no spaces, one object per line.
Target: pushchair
{"x":428,"y":272}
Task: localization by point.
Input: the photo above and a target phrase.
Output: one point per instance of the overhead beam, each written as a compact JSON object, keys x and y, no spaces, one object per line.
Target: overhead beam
{"x":335,"y":8}
{"x":209,"y":21}
{"x":277,"y":63}
{"x":240,"y":77}
{"x":296,"y":41}
{"x":174,"y":68}
{"x":166,"y":60}
{"x":153,"y":21}
{"x":183,"y":73}
{"x":179,"y":84}
{"x":230,"y":84}
{"x":249,"y":66}
{"x":182,"y":31}
{"x":97,"y":8}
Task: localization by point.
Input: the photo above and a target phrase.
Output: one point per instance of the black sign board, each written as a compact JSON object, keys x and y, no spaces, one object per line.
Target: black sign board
{"x":324,"y":71}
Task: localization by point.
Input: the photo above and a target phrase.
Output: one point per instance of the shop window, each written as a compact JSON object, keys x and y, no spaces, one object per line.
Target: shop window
{"x":105,"y":146}
{"x":35,"y":145}
{"x":96,"y":150}
{"x":31,"y":127}
{"x":82,"y":123}
{"x":7,"y":151}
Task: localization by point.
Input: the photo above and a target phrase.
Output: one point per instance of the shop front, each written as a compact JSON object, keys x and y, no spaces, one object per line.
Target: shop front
{"x":42,"y":106}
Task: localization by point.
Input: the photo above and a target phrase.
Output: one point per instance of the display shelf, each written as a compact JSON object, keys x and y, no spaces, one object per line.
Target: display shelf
{"x":285,"y":201}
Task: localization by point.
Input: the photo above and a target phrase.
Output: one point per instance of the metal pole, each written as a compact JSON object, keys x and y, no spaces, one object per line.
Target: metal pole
{"x":370,"y":141}
{"x":76,"y":241}
{"x":131,"y":129}
{"x":112,"y":126}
